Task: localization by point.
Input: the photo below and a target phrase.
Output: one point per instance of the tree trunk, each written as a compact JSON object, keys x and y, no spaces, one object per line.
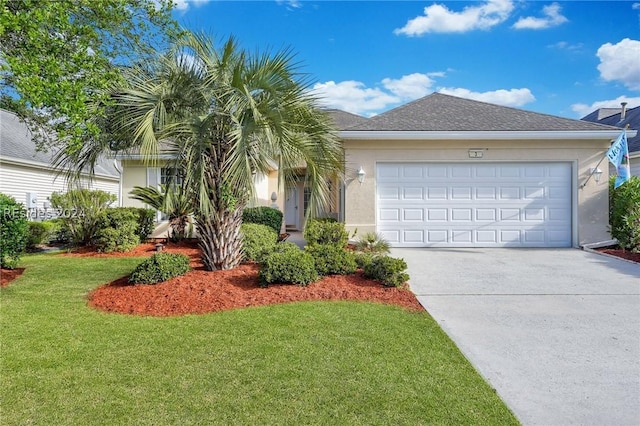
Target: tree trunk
{"x":220,"y":239}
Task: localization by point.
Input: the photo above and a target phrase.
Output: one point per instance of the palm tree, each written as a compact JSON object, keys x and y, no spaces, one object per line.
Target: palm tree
{"x":226,"y":115}
{"x":173,"y":201}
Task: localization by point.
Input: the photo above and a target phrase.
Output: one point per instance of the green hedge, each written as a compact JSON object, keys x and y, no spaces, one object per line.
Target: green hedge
{"x":388,"y":270}
{"x":264,"y":216}
{"x":624,"y":213}
{"x":326,"y":231}
{"x":332,"y":260}
{"x":160,"y":267}
{"x":117,"y":231}
{"x":14,"y":231}
{"x":288,"y":265}
{"x":256,"y":240}
{"x":42,"y":233}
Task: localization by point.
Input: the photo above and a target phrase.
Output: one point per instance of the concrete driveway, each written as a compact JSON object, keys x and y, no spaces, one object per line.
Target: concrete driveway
{"x":555,"y":331}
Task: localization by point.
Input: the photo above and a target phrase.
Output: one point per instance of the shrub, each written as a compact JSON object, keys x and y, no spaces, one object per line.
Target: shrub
{"x":388,"y":270}
{"x":160,"y":267}
{"x":117,"y":231}
{"x":288,"y":265}
{"x":14,"y":231}
{"x":146,"y":219}
{"x":82,"y":212}
{"x":41,"y":233}
{"x":362,"y":259}
{"x":631,"y":222}
{"x":62,"y":233}
{"x":623,"y":202}
{"x":257,"y":239}
{"x":372,"y":242}
{"x":264,"y":216}
{"x":326,"y":231}
{"x":332,"y":260}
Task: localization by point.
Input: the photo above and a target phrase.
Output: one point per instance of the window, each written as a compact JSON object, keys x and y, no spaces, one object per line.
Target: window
{"x":171,"y":176}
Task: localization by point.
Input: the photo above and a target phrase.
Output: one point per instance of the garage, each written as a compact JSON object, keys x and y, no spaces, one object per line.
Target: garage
{"x":515,"y":204}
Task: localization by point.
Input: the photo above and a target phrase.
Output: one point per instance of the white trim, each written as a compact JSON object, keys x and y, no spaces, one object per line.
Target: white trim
{"x":481,"y":135}
{"x":42,"y":166}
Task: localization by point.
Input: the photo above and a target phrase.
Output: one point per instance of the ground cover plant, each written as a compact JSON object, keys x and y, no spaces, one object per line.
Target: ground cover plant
{"x":300,"y":363}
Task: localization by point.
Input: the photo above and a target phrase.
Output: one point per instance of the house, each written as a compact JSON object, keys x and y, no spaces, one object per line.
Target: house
{"x":622,"y":117}
{"x":28,"y":176}
{"x":444,"y":171}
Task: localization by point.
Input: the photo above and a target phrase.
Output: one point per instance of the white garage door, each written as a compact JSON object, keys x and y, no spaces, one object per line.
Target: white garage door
{"x":474,"y":205}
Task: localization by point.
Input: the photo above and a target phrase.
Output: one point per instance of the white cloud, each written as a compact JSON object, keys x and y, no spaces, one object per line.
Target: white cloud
{"x":438,"y":18}
{"x":357,"y":98}
{"x":552,"y":18}
{"x":409,"y":87}
{"x":635,"y":6}
{"x":290,"y":3}
{"x":583,"y":109}
{"x":183,"y":5}
{"x":564,"y":45}
{"x":620,"y":62}
{"x":512,"y":97}
{"x":354,"y":97}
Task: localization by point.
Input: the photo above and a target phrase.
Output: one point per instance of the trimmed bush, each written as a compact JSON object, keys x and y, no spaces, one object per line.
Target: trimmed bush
{"x":388,"y":270}
{"x":82,"y":212}
{"x":160,"y":267}
{"x":289,"y":266}
{"x":363,"y":259}
{"x":326,"y":231}
{"x":14,"y":231}
{"x":264,"y":216}
{"x":372,"y":242}
{"x":624,"y":203}
{"x":117,"y":232}
{"x":257,"y":239}
{"x":145,"y":218}
{"x":332,"y":260}
{"x":41,"y":233}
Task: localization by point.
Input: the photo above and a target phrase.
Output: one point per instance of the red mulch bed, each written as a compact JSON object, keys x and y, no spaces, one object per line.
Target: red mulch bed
{"x":200,"y":291}
{"x":8,"y":275}
{"x":618,"y":252}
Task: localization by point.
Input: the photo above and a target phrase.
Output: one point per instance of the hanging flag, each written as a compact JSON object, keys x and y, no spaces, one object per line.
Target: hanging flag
{"x":618,"y":154}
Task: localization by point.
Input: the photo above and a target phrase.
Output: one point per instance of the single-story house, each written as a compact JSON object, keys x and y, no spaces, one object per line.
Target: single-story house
{"x":625,"y":118}
{"x":443,"y":171}
{"x":28,"y":175}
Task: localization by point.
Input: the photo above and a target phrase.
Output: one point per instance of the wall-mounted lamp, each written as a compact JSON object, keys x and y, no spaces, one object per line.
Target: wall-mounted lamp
{"x":596,"y":173}
{"x":361,"y":174}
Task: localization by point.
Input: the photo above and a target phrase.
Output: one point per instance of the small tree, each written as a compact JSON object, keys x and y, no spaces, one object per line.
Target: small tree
{"x":14,"y":231}
{"x":171,"y":200}
{"x":81,"y":212}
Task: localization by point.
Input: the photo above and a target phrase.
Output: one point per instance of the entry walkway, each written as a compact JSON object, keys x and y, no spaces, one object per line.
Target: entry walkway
{"x":555,"y":331}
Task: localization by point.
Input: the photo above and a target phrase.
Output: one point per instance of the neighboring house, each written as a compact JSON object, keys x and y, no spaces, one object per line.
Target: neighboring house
{"x":444,"y":171}
{"x":622,"y":117}
{"x":23,"y":170}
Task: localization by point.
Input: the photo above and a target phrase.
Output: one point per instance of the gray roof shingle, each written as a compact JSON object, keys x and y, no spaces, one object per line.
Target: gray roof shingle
{"x":16,"y":143}
{"x":632,"y":119}
{"x":344,"y":120}
{"x":439,"y":112}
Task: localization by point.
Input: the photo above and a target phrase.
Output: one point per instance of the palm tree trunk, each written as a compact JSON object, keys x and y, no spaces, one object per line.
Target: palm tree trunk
{"x":220,"y":240}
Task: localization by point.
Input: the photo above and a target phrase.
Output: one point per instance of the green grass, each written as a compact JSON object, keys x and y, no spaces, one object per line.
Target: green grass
{"x":304,"y":363}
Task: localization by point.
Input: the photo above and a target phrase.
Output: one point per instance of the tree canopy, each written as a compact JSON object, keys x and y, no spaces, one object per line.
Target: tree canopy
{"x":57,"y":58}
{"x":227,"y":115}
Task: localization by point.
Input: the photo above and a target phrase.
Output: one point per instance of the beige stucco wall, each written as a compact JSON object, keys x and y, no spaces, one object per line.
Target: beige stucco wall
{"x":590,"y":218}
{"x":134,"y":173}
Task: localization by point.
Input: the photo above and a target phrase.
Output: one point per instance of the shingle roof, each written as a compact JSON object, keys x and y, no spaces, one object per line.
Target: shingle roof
{"x":345,"y":120}
{"x":632,"y":118}
{"x":16,"y":143}
{"x":439,"y":112}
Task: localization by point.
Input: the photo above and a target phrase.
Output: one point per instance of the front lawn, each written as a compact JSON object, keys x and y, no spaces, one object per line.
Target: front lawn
{"x":302,"y":363}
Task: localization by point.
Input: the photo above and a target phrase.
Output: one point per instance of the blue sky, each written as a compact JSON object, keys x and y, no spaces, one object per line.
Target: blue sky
{"x":564,"y":58}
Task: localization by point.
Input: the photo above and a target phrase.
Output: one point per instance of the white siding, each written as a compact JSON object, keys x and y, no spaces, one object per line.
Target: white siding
{"x":16,"y":180}
{"x":635,"y":166}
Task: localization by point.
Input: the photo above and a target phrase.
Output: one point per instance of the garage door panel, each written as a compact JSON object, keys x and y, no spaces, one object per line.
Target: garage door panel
{"x":475,"y":205}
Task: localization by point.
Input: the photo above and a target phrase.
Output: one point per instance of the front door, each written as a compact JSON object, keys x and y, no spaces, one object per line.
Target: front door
{"x":291,"y":216}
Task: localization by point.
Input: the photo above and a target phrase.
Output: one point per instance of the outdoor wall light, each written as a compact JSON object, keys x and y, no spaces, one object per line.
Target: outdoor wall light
{"x":361,"y":174}
{"x":596,"y":173}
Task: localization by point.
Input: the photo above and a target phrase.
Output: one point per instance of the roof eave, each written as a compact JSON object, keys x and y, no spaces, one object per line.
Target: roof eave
{"x":482,"y":135}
